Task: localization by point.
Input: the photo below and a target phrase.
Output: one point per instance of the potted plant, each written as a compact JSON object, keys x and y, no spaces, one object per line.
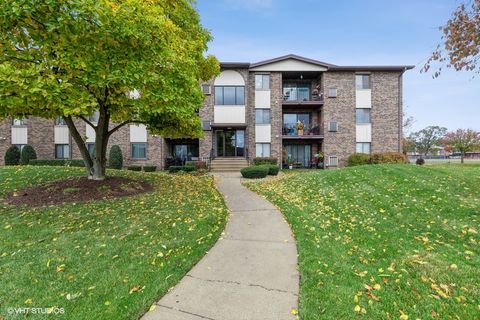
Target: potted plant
{"x":290,"y":162}
{"x":300,"y":127}
{"x":319,"y":159}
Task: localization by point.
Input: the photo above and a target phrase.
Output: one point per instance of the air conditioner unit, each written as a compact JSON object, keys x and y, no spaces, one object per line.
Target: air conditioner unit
{"x":332,"y":92}
{"x":206,"y":89}
{"x":206,"y":125}
{"x":333,"y":126}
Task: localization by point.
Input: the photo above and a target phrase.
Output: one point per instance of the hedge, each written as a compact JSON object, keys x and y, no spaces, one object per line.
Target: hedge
{"x":58,"y":162}
{"x":12,"y":156}
{"x":420,"y":161}
{"x":149,"y":168}
{"x":255,"y":172}
{"x":27,"y":154}
{"x":358,"y":159}
{"x":115,"y":157}
{"x":134,"y":168}
{"x":264,"y":160}
{"x":388,"y":157}
{"x":272,"y":169}
{"x":174,"y":169}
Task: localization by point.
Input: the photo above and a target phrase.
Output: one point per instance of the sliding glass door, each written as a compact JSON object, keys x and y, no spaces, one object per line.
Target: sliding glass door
{"x":300,"y":154}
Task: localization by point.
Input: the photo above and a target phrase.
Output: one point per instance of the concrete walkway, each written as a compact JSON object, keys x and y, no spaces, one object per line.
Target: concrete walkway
{"x":249,"y":274}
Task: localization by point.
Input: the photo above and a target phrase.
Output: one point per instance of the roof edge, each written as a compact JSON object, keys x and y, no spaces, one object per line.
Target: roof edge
{"x":372,"y":68}
{"x":235,"y":65}
{"x":291,"y":56}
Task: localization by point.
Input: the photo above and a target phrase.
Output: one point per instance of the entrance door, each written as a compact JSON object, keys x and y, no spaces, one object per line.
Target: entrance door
{"x":230,"y":143}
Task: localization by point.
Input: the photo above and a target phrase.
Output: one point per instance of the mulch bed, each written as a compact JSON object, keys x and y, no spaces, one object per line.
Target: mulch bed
{"x":77,"y":190}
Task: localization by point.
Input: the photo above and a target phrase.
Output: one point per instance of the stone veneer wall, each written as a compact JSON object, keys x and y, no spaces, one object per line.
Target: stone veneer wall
{"x":342,"y":110}
{"x":276,"y":116}
{"x":386,"y":114}
{"x":5,"y":138}
{"x":42,"y":137}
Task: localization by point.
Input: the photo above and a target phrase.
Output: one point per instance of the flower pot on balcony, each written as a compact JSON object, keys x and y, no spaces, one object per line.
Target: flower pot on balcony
{"x":300,"y":132}
{"x":290,"y":167}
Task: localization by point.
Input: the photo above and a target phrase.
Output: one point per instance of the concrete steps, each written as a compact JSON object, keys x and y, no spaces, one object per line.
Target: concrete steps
{"x":228,"y":164}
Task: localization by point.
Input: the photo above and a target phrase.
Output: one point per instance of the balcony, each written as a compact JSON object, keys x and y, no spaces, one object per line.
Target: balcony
{"x":309,"y":132}
{"x":301,"y":96}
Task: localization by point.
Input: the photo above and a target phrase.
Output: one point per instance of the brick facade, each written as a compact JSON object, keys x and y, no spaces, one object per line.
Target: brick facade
{"x":386,"y":118}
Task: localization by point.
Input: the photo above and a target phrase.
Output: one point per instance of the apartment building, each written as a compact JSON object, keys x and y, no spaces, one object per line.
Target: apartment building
{"x":290,"y":108}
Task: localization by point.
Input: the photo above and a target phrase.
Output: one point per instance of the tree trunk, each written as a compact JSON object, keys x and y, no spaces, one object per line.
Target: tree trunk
{"x":462,"y":157}
{"x":80,"y":144}
{"x":101,"y":142}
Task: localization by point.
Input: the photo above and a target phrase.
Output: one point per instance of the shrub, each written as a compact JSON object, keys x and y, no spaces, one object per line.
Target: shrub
{"x":27,"y":154}
{"x":134,"y":168}
{"x":174,"y":169}
{"x":264,"y":160}
{"x":149,"y":168}
{"x":201,"y":165}
{"x":254,"y":172}
{"x":115,"y":157}
{"x":272,"y":169}
{"x":58,"y":162}
{"x":358,"y":159}
{"x":12,"y":156}
{"x":388,"y":157}
{"x":420,"y":161}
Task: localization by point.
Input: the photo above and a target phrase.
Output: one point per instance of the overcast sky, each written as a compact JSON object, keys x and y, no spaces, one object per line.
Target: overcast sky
{"x":351,"y":33}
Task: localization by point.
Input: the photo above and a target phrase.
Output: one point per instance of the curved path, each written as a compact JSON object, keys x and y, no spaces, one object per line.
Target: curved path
{"x":250,"y":273}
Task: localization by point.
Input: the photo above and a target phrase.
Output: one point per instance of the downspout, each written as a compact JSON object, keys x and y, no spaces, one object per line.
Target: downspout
{"x":400,"y":114}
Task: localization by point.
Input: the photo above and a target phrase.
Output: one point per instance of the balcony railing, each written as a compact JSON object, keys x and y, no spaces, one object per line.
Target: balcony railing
{"x":291,"y":130}
{"x":301,"y":94}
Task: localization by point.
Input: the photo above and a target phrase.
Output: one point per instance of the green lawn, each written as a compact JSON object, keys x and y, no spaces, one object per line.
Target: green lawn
{"x":107,"y":259}
{"x":384,"y":242}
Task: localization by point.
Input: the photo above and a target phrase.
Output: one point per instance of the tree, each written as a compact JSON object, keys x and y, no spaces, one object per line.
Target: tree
{"x":425,"y":139}
{"x":461,"y":40}
{"x":115,"y":157}
{"x":27,"y":154}
{"x":12,"y":156}
{"x":462,"y":141}
{"x":132,"y":61}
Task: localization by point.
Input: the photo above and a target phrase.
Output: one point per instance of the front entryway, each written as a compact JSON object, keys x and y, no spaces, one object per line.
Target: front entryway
{"x":230,"y":143}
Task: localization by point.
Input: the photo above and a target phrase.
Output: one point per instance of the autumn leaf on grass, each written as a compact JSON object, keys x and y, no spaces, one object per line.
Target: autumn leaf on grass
{"x":136,"y":288}
{"x":60,"y":268}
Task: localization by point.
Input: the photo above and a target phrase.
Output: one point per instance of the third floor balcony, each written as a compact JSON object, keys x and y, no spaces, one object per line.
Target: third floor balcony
{"x":301,"y":94}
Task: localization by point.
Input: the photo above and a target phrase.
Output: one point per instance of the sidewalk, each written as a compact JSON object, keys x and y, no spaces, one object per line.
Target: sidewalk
{"x":250,"y":273}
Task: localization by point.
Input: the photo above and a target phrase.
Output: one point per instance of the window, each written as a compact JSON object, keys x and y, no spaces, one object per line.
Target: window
{"x":91,"y":148}
{"x":206,"y":89}
{"x":332,"y":92}
{"x":60,"y":121}
{"x":20,"y":122}
{"x":94,"y":117}
{"x":262,"y":116}
{"x":362,"y":81}
{"x":332,"y":161}
{"x":20,"y":146}
{"x":362,"y":115}
{"x":262,"y":150}
{"x":333,"y":126}
{"x":230,"y":95}
{"x":262,"y":82}
{"x":139,"y":150}
{"x":188,"y":152}
{"x":363,"y":147}
{"x":62,"y":151}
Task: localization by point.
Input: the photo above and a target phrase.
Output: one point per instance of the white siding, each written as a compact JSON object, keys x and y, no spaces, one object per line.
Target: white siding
{"x":229,"y":78}
{"x":290,"y":65}
{"x":363,"y":98}
{"x":262,"y":99}
{"x":90,"y":133}
{"x":19,"y":135}
{"x":229,"y":114}
{"x":364,"y":132}
{"x":61,"y":135}
{"x":138,"y":133}
{"x":263,"y":133}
